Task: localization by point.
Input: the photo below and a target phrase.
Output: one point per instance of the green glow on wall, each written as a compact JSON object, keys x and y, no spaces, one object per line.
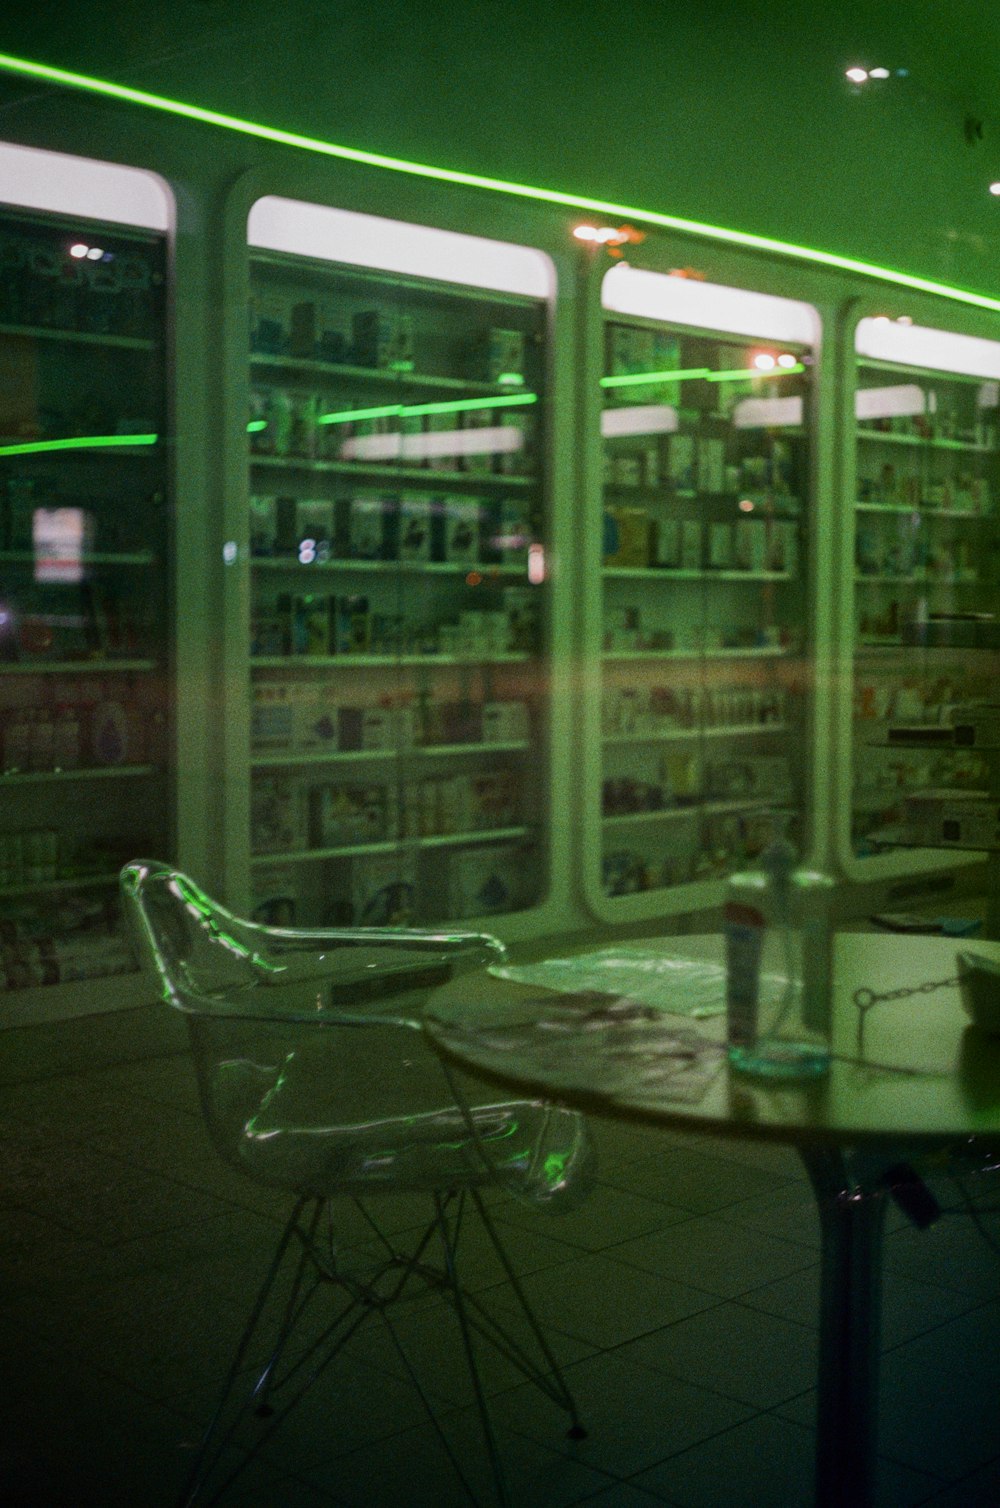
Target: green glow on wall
{"x":84,"y":442}
{"x":25,"y":68}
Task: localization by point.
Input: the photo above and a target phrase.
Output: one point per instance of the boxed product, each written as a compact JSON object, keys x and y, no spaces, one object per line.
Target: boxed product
{"x":479,"y":440}
{"x":977,"y":725}
{"x":382,"y":339}
{"x":711,"y":464}
{"x":414,"y":528}
{"x":263,"y":525}
{"x":681,"y":462}
{"x":782,"y":545}
{"x":268,"y":323}
{"x":953,"y":819}
{"x":368,"y":526}
{"x":352,"y":625}
{"x":485,"y":881}
{"x":315,"y":519}
{"x":295,"y":435}
{"x":275,"y":897}
{"x":277,"y":813}
{"x":667,"y":542}
{"x":458,"y":523}
{"x":510,"y":530}
{"x":691,"y":544}
{"x":516,"y":443}
{"x":750,"y":544}
{"x":504,"y":722}
{"x":346,"y":812}
{"x":309,"y":618}
{"x":632,"y":529}
{"x":500,"y":358}
{"x":720,"y":546}
{"x":383,"y":890}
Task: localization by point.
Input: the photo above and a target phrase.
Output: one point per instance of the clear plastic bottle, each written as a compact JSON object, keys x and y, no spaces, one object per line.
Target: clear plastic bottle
{"x":779,"y":941}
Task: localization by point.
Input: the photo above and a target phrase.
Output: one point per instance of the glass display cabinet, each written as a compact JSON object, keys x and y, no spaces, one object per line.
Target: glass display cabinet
{"x":704,"y":607}
{"x":85,"y":701}
{"x":926,"y":564}
{"x":398,"y":633}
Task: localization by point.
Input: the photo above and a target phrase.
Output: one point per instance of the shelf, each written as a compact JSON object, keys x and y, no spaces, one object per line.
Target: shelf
{"x":469,"y":481}
{"x":692,"y":809}
{"x":926,"y":511}
{"x":80,"y":337}
{"x":418,"y":568}
{"x":104,"y":772}
{"x":352,"y":662}
{"x":886,"y":437}
{"x":381,"y":375}
{"x":752,"y":653}
{"x":678,"y":735}
{"x":135,"y":558}
{"x":283,"y":759}
{"x":44,"y":887}
{"x":392,"y":845}
{"x":862,"y":580}
{"x":669,"y":573}
{"x":74,"y":667}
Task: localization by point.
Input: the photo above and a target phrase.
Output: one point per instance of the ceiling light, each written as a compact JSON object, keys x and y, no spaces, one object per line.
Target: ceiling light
{"x":857,"y":75}
{"x":79,"y":250}
{"x":765,"y":362}
{"x":878,"y":73}
{"x":786,"y":359}
{"x":995,"y":188}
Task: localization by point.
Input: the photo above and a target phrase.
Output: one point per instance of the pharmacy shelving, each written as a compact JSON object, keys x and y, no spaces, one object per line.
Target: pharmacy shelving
{"x":926,"y":547}
{"x":398,"y":592}
{"x":699,"y":565}
{"x":85,"y":616}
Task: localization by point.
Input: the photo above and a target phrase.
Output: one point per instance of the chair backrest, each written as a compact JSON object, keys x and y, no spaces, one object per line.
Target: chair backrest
{"x":311,"y":1062}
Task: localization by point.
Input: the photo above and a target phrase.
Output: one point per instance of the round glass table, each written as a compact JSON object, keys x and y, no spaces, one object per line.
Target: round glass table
{"x":637,"y":1032}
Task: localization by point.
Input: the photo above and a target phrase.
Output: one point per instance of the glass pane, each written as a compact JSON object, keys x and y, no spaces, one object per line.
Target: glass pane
{"x":399,"y":601}
{"x":926,"y":534}
{"x":706,"y":484}
{"x":85,"y":703}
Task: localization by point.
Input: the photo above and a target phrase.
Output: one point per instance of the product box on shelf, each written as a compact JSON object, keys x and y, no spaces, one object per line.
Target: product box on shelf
{"x":458,"y":522}
{"x":349,"y":813}
{"x":278,"y":813}
{"x":690,"y":544}
{"x":384,"y":339}
{"x":977,"y":725}
{"x":720,"y":546}
{"x":666,"y":543}
{"x":383,"y":890}
{"x":310,"y":618}
{"x":415,"y":520}
{"x":498,"y":356}
{"x":275,"y":898}
{"x":479,"y":439}
{"x":953,"y":819}
{"x":711,"y":456}
{"x":750,"y":544}
{"x":269,"y":321}
{"x":681,"y":462}
{"x":352,"y":625}
{"x":630,"y":531}
{"x":516,"y":443}
{"x":315,"y":524}
{"x":504,"y":722}
{"x":369,"y":525}
{"x":509,"y":530}
{"x":485,"y":881}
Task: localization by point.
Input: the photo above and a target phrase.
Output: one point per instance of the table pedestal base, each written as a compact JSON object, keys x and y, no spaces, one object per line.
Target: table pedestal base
{"x":851,"y":1217}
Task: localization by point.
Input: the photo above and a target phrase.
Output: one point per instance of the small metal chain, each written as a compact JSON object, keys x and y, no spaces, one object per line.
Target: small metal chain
{"x":865,"y":998}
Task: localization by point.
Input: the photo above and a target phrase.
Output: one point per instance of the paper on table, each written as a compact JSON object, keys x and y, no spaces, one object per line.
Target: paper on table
{"x":680,"y":986}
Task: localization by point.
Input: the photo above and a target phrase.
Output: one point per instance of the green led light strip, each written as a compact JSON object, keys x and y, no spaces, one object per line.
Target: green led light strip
{"x":85,"y":442}
{"x":25,"y":68}
{"x":704,"y":374}
{"x":401,"y":410}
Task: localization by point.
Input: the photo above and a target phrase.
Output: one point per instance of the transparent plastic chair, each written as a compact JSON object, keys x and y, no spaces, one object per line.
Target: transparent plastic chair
{"x":315,"y":1078}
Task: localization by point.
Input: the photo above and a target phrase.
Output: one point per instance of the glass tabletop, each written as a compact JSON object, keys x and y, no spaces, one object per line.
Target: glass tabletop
{"x":638,"y":1032}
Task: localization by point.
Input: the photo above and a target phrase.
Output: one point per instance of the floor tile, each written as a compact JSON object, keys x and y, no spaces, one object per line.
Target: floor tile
{"x":611,"y":1214}
{"x":693,"y":1180}
{"x":734,"y":1350}
{"x":714,"y":1254}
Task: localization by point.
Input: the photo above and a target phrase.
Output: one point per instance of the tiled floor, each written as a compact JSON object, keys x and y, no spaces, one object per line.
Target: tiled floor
{"x":681,"y":1299}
